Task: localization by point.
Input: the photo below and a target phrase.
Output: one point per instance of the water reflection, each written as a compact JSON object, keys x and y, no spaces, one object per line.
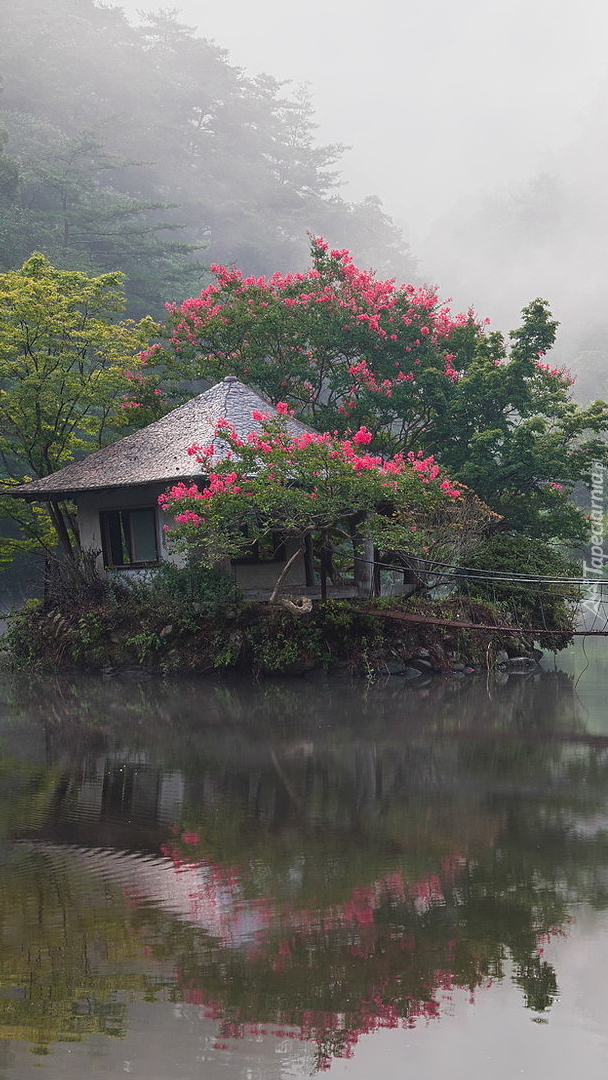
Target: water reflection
{"x":314,"y":859}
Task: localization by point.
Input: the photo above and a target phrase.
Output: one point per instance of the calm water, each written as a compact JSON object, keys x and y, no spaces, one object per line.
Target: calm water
{"x":230,"y":880}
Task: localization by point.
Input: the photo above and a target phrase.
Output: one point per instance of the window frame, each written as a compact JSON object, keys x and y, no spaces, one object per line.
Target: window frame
{"x":116,"y":525}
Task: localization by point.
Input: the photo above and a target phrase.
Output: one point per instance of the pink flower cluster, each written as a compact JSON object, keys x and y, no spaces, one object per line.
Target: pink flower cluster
{"x":177,"y":492}
{"x":216,"y":483}
{"x":188,"y":517}
{"x":267,"y":442}
{"x":561,"y":373}
{"x":223,"y":484}
{"x":449,"y":369}
{"x":365,"y":303}
{"x":362,"y":436}
{"x":148,"y":354}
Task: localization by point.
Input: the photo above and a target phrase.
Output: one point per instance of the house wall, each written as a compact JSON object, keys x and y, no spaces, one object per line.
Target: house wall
{"x":248,"y":575}
{"x":90,"y":503}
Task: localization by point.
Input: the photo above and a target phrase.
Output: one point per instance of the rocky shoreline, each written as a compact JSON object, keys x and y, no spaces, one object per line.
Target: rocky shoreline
{"x":421,"y":665}
{"x":359,"y":637}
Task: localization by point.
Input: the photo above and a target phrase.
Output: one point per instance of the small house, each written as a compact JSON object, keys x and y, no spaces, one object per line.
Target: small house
{"x":116,"y":489}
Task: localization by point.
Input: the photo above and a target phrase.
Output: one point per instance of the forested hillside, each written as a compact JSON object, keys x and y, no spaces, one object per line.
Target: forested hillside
{"x":143,"y":149}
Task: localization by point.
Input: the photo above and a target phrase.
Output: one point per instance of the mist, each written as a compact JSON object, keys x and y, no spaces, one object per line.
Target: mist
{"x":479,"y":125}
{"x":461,"y":145}
{"x":434,"y":100}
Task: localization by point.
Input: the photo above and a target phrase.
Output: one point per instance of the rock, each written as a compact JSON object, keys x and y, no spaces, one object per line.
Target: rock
{"x":412,"y":673}
{"x":520,"y":664}
{"x":298,"y":605}
{"x":421,"y":663}
{"x":395,"y":667}
{"x":516,"y":647}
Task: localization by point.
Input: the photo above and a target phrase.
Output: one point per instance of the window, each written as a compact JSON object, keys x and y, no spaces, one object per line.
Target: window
{"x":129,"y":537}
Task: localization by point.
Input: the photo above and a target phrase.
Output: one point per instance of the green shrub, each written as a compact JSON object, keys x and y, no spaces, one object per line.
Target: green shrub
{"x":210,"y":591}
{"x":543,"y":606}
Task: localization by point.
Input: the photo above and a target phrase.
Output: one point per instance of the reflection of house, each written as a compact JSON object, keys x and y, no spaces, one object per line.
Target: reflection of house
{"x":129,"y":791}
{"x":201,"y":893}
{"x":116,"y":489}
{"x":112,"y":801}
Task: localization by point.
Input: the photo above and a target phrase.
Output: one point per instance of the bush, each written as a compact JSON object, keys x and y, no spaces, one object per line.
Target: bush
{"x":544,"y":606}
{"x":177,"y":593}
{"x":208,"y":591}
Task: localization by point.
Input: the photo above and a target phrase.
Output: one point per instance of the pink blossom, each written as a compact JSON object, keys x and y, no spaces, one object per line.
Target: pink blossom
{"x":188,"y":517}
{"x":362,"y":436}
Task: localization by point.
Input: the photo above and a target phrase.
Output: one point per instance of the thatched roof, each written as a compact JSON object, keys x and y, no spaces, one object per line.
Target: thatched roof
{"x":158,"y":453}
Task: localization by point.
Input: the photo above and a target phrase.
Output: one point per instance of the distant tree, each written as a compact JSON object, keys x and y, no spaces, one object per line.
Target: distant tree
{"x":9,"y":170}
{"x":66,"y":373}
{"x":346,"y":349}
{"x":65,"y":200}
{"x":165,"y":135}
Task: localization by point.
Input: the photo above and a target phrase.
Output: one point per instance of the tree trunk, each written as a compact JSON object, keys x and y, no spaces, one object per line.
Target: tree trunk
{"x":69,"y":547}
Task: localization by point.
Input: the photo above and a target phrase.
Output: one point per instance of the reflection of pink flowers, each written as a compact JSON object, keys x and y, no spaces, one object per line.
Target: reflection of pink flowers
{"x":278,"y":937}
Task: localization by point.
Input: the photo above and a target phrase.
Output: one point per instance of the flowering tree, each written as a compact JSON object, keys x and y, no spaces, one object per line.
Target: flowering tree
{"x":311,"y":485}
{"x":343,"y":348}
{"x":347,"y":350}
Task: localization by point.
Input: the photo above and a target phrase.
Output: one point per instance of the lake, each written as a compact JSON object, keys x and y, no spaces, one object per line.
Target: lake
{"x":233,"y":880}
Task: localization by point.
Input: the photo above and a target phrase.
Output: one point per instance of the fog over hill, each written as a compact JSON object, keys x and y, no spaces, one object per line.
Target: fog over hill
{"x":475,"y":134}
{"x":164,"y":158}
{"x":481,"y":126}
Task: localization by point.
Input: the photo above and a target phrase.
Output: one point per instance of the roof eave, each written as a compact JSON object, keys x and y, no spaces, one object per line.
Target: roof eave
{"x":61,"y":494}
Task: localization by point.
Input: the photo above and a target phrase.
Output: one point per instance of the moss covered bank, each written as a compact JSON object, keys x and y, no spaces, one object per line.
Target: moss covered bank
{"x":367,"y":638}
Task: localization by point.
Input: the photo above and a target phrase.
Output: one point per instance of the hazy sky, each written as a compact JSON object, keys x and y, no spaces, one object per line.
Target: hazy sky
{"x":436,"y":98}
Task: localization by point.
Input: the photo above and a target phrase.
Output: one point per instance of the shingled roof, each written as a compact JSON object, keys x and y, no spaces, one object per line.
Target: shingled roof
{"x":158,"y":453}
